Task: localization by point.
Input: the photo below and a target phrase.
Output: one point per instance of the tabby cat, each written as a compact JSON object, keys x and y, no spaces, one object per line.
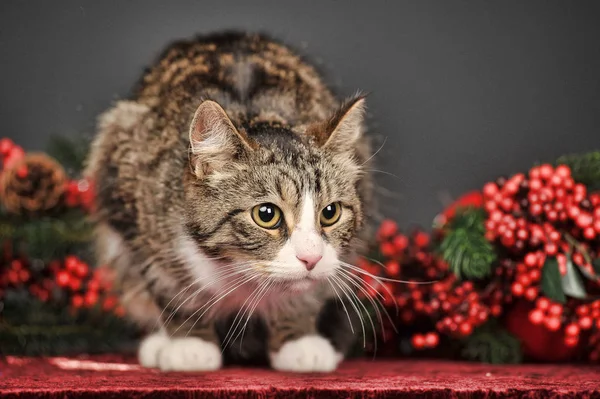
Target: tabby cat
{"x":232,"y":188}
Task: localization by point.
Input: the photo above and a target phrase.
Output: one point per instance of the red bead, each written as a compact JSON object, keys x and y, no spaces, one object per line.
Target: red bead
{"x":563,"y":171}
{"x":392,"y":268}
{"x":465,"y":328}
{"x":489,"y":189}
{"x":536,"y":316}
{"x":400,"y":242}
{"x":589,"y":233}
{"x":432,"y":340}
{"x":555,"y":309}
{"x":552,"y":323}
{"x":531,"y":259}
{"x":75,"y":284}
{"x":531,"y":293}
{"x":572,"y":329}
{"x":387,"y":229}
{"x":387,"y":249}
{"x":571,"y":341}
{"x":6,"y":145}
{"x":585,"y":323}
{"x":91,"y":298}
{"x":63,"y":278}
{"x":71,"y":263}
{"x":542,"y":303}
{"x":77,"y":301}
{"x":22,"y":172}
{"x":418,"y":341}
{"x":546,"y":171}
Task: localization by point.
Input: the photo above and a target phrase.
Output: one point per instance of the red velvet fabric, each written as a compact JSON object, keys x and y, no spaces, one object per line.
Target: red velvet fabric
{"x":116,"y":377}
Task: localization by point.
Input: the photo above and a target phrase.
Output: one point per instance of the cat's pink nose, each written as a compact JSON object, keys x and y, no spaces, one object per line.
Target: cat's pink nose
{"x":310,"y":261}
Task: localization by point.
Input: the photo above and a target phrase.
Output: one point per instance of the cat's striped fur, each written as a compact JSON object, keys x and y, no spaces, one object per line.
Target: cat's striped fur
{"x":173,"y":213}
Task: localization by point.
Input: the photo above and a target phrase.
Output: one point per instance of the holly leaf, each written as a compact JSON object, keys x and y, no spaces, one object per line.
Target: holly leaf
{"x":552,"y":281}
{"x":572,"y":283}
{"x":596,"y":264}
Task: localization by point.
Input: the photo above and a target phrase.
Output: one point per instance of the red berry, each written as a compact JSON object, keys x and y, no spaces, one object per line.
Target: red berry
{"x":489,"y":189}
{"x":556,"y":180}
{"x":77,"y":301}
{"x":563,"y":171}
{"x":584,"y":220}
{"x":387,"y":229}
{"x":546,"y":171}
{"x":535,"y":185}
{"x":585,"y":323}
{"x":109,"y":303}
{"x":421,"y":239}
{"x":418,"y":341}
{"x":571,"y":341}
{"x":555,"y":309}
{"x":63,"y":278}
{"x":524,"y":280}
{"x":572,"y":330}
{"x":82,"y":270}
{"x":536,"y":316}
{"x":542,"y":303}
{"x":589,"y":233}
{"x":531,"y":293}
{"x":531,"y":259}
{"x":432,"y":340}
{"x":75,"y":284}
{"x":392,"y":268}
{"x":387,"y":249}
{"x":535,"y":275}
{"x":71,"y":263}
{"x":552,"y":323}
{"x":91,"y":297}
{"x":465,"y":328}
{"x":551,"y":248}
{"x":496,"y":310}
{"x":400,"y":242}
{"x":22,"y":172}
{"x":534,"y":173}
{"x":6,"y":145}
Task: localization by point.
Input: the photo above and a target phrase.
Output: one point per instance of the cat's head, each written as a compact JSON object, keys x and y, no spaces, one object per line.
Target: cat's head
{"x":276,"y":202}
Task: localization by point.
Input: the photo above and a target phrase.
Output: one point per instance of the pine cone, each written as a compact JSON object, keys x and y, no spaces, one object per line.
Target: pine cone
{"x":34,"y":184}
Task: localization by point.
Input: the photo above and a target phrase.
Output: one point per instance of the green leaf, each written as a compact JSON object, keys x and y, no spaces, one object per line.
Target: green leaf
{"x":572,"y":283}
{"x":585,"y":168}
{"x":552,"y":281}
{"x":596,"y":264}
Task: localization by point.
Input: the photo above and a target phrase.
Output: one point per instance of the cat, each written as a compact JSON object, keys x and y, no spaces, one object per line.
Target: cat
{"x":232,"y":187}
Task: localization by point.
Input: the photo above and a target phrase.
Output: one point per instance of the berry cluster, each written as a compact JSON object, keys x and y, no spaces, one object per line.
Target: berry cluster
{"x":540,"y":217}
{"x":11,"y":153}
{"x":86,"y":288}
{"x":455,"y":308}
{"x":80,"y":193}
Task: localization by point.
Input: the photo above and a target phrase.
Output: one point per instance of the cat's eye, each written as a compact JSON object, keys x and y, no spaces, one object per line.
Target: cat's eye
{"x":267,"y":216}
{"x":331,"y":214}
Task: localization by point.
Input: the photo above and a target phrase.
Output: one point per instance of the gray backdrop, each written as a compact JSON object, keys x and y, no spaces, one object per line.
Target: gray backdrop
{"x":463,"y":90}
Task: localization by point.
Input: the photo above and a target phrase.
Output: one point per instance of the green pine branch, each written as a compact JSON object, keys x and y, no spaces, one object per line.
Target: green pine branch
{"x":491,"y":344}
{"x":464,"y":246}
{"x":47,"y":238}
{"x":585,"y":168}
{"x":70,"y":152}
{"x":31,"y":327}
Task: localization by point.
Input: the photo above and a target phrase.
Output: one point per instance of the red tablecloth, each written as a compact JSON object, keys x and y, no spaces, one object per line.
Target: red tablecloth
{"x":115,"y":377}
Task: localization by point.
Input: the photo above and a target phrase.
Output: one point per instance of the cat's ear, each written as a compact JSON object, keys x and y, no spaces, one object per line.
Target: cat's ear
{"x":214,"y":140}
{"x":343,"y":130}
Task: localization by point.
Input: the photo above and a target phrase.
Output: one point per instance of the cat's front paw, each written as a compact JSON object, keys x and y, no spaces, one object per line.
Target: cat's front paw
{"x":311,"y":353}
{"x":150,"y":348}
{"x":189,"y":354}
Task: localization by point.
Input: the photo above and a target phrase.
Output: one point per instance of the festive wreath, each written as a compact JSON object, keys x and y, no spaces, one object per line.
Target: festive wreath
{"x":511,"y":271}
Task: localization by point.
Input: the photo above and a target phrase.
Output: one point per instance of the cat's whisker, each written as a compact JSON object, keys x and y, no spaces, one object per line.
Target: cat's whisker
{"x":376,"y":152}
{"x":336,"y":281}
{"x":230,"y":283}
{"x":235,"y":325}
{"x":375,"y":301}
{"x":256,"y":303}
{"x":220,"y":277}
{"x":247,"y":280}
{"x":389,"y":292}
{"x":379,"y":278}
{"x":343,"y":304}
{"x":351,"y":292}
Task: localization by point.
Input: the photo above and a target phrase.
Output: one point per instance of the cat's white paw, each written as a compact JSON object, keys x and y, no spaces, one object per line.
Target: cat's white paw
{"x":189,"y":354}
{"x":150,"y":347}
{"x":311,"y":353}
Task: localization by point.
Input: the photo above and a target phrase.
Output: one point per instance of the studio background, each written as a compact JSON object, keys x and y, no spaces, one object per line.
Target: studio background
{"x":463,"y":91}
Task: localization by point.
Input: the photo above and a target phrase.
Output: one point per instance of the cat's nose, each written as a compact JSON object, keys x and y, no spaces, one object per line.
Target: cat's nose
{"x":310,"y":261}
